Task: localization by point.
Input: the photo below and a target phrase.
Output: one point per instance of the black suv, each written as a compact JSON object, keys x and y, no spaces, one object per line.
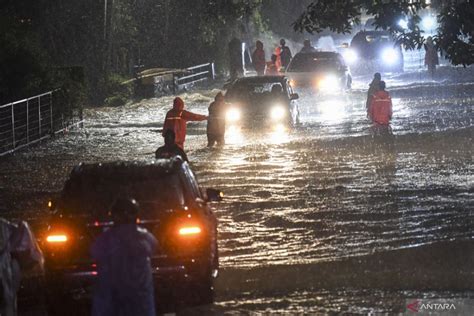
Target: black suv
{"x":173,"y":208}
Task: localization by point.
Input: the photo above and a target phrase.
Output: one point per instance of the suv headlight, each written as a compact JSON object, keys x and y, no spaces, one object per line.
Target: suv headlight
{"x":328,"y":82}
{"x":389,"y":56}
{"x":350,"y":56}
{"x":232,"y":115}
{"x":277,"y":112}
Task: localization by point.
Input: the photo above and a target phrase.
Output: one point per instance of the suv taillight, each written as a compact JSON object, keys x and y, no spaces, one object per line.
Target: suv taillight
{"x":57,"y":238}
{"x":189,"y":230}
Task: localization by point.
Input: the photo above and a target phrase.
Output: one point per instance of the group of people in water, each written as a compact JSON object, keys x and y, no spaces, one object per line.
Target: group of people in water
{"x":378,"y":106}
{"x":174,"y":127}
{"x":279,"y":60}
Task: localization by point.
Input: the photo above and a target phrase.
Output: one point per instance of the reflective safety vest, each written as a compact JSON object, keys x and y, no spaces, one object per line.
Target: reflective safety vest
{"x":176,"y":119}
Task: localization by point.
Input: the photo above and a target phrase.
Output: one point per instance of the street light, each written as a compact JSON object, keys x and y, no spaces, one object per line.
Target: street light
{"x":428,"y":22}
{"x":403,"y":24}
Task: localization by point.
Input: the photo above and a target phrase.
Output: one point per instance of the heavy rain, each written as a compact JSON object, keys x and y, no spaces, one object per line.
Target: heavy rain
{"x":334,"y":215}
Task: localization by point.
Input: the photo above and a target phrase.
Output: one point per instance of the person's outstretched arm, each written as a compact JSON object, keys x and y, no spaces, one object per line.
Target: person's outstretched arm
{"x":190,"y":116}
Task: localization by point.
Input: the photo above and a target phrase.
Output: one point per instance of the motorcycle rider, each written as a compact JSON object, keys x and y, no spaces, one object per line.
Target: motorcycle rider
{"x":125,"y":280}
{"x":380,"y":109}
{"x":177,"y":118}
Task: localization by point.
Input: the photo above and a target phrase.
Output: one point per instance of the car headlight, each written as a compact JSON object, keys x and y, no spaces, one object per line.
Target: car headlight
{"x":350,"y":56}
{"x":328,"y":82}
{"x":389,"y":56}
{"x":277,"y":112}
{"x":232,"y":115}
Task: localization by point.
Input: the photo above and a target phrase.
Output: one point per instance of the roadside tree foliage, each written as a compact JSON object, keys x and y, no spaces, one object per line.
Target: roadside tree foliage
{"x":110,"y":39}
{"x":454,"y":36}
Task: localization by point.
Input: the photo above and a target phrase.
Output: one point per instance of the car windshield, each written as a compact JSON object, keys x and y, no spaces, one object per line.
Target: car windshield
{"x":310,"y":63}
{"x":253,"y":90}
{"x":94,"y":194}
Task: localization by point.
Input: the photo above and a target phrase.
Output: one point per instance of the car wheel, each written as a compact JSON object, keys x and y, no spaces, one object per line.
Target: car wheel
{"x":205,"y":291}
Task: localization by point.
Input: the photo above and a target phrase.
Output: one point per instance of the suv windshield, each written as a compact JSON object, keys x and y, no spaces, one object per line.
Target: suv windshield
{"x":310,"y":63}
{"x":251,"y":90}
{"x":94,"y":194}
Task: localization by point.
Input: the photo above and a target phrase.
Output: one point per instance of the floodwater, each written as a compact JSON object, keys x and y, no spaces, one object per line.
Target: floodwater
{"x":333,"y":216}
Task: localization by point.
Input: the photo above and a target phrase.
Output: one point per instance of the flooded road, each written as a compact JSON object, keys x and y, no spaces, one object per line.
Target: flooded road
{"x":313,"y":219}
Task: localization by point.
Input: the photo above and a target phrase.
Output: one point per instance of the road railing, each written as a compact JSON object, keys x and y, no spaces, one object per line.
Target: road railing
{"x":196,"y":73}
{"x":28,"y":121}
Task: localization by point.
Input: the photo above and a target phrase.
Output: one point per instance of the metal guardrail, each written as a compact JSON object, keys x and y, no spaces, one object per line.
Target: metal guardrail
{"x":197,"y":73}
{"x":28,"y":121}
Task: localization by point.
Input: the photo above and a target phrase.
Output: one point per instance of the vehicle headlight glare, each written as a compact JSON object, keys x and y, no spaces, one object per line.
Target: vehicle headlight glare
{"x":350,"y":56}
{"x":329,"y":82}
{"x":232,"y":115}
{"x":403,"y":24}
{"x":277,"y":113}
{"x":428,"y":22}
{"x":389,"y":56}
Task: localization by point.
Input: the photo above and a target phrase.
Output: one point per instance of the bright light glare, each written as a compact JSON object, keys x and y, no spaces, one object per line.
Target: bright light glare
{"x":332,"y":110}
{"x":193,"y":230}
{"x":350,"y":56}
{"x":279,"y":135}
{"x":56,"y":238}
{"x":329,"y":83}
{"x":428,"y":22}
{"x":277,"y":112}
{"x":232,"y":115}
{"x":233,"y":135}
{"x":403,"y":24}
{"x":389,"y":56}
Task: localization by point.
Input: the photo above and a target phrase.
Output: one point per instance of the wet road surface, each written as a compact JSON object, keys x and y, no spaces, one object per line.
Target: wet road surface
{"x":313,"y":219}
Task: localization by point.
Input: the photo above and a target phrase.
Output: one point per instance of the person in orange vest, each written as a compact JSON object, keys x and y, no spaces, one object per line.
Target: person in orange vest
{"x":176,"y":120}
{"x":258,"y":59}
{"x":272,"y":69}
{"x":380,"y":109}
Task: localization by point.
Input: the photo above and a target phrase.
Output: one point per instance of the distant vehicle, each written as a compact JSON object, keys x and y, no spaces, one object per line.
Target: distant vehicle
{"x":253,"y":104}
{"x":375,"y":49}
{"x":323,"y":71}
{"x":173,"y":208}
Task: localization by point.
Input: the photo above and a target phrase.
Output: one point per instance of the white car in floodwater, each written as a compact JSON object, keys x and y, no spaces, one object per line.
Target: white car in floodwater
{"x":322,"y":71}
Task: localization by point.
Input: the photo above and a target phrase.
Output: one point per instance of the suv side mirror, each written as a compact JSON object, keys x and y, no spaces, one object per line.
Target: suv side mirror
{"x":214,"y":195}
{"x":294,"y":96}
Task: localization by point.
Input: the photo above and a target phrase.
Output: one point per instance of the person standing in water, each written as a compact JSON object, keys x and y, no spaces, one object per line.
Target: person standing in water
{"x":176,"y":120}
